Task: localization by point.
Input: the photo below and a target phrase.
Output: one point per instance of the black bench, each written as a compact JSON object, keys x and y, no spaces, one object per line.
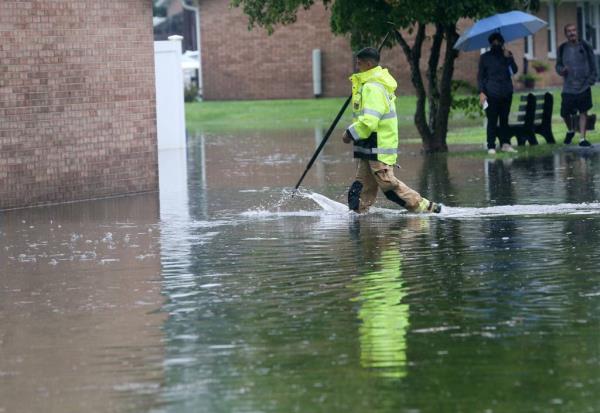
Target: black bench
{"x":534,"y":117}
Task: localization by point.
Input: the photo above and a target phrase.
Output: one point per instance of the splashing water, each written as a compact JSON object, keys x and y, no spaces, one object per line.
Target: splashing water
{"x":522,"y":210}
{"x":327,"y":207}
{"x":327,"y":204}
{"x":330,"y":207}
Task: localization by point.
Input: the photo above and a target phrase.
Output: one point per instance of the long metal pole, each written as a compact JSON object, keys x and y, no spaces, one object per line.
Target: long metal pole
{"x":330,"y":130}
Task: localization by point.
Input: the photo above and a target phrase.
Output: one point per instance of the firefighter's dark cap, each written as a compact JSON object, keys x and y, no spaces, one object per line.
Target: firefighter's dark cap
{"x":368,"y":53}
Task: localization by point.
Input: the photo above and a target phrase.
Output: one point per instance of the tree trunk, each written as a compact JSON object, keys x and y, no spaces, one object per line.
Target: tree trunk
{"x":413,"y":55}
{"x":432,"y":127}
{"x":438,"y":142}
{"x":433,"y":94}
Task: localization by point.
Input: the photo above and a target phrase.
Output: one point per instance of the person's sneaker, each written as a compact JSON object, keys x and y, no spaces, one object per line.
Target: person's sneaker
{"x":491,"y":151}
{"x":584,"y":143}
{"x":569,"y":138}
{"x":507,"y":148}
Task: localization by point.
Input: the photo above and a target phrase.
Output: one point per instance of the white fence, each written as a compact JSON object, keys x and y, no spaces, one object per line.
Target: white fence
{"x":170,"y":125}
{"x":170,"y":113}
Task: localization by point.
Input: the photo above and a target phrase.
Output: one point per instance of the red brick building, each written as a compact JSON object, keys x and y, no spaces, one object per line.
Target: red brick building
{"x":77,"y":100}
{"x":242,"y":64}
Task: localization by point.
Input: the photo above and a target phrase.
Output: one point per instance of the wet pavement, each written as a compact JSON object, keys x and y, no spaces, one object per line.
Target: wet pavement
{"x":225,"y":294}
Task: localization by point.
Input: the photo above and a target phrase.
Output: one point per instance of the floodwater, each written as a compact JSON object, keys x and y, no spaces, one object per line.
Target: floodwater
{"x":226,"y":294}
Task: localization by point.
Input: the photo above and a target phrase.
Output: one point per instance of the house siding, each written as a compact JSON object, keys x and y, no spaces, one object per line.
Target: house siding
{"x":77,"y":101}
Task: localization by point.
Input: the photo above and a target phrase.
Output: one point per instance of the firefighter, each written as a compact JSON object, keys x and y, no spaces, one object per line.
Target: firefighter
{"x":374,"y":132}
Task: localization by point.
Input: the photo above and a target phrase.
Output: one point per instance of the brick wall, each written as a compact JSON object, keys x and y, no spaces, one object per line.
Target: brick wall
{"x":242,"y":64}
{"x":77,"y":100}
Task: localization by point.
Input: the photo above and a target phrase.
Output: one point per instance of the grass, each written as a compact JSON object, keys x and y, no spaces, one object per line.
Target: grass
{"x":230,"y":116}
{"x":272,"y":115}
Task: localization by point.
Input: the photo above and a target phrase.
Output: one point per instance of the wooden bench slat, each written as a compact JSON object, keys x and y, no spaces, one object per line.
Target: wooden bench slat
{"x":539,"y":106}
{"x":538,"y":116}
{"x":537,"y":97}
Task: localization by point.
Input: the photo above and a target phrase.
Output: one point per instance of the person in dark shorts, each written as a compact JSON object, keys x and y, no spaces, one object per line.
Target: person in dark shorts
{"x":575,"y":63}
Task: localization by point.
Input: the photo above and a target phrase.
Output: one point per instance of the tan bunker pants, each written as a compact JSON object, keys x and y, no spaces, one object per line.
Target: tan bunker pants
{"x":371,"y":175}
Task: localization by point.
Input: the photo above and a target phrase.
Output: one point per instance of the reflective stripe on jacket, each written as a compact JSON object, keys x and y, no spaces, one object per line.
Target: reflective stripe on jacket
{"x":375,"y":124}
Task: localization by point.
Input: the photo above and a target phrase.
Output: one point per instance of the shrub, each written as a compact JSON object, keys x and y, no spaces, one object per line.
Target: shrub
{"x":190,"y":93}
{"x":528,"y":80}
{"x":540,"y":67}
{"x":465,"y":98}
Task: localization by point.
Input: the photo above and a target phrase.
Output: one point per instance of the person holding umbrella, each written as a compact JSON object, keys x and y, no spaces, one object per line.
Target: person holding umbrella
{"x":374,"y":134}
{"x":575,"y":63}
{"x":496,"y":68}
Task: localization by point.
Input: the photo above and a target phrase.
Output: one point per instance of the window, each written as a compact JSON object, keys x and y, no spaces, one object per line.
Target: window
{"x":551,"y":30}
{"x":589,"y":14}
{"x":588,"y":24}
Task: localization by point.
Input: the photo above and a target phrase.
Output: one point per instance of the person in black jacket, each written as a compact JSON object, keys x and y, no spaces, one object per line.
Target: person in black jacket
{"x":496,"y":68}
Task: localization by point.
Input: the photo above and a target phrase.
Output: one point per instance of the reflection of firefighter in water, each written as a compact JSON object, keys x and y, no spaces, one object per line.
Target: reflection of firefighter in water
{"x":383,"y":315}
{"x":384,"y":318}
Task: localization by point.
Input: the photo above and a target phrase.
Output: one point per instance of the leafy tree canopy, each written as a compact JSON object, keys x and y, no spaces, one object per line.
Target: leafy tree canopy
{"x":369,"y":21}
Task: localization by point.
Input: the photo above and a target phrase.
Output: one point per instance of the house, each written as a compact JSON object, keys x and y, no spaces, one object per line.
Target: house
{"x":77,"y":101}
{"x":242,"y":64}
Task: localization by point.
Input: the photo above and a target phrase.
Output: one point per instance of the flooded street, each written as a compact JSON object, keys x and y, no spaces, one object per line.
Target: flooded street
{"x":226,"y":294}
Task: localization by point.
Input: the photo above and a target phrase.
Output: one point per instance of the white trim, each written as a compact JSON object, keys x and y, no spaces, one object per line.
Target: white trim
{"x":552,"y":30}
{"x":530,"y":52}
{"x":353,"y":133}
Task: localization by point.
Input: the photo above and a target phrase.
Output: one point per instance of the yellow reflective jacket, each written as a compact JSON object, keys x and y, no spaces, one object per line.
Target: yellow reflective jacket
{"x":375,"y":124}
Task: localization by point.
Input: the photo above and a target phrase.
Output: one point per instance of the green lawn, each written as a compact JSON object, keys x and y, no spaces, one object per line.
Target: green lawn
{"x":232,"y":116}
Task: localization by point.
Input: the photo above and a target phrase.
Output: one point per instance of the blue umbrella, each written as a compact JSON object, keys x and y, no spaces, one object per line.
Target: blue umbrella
{"x":512,"y":25}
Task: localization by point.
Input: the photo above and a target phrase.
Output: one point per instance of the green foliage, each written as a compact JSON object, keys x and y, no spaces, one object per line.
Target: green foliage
{"x":190,"y":93}
{"x":158,"y":11}
{"x":367,"y":22}
{"x":528,"y":79}
{"x":270,"y":13}
{"x":539,"y":66}
{"x":465,"y":99}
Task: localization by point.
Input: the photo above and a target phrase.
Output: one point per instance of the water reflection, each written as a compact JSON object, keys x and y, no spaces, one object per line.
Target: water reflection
{"x":499,"y":182}
{"x":384,"y":318}
{"x":79,"y":294}
{"x":579,"y":177}
{"x":580,"y":186}
{"x":435,"y":179}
